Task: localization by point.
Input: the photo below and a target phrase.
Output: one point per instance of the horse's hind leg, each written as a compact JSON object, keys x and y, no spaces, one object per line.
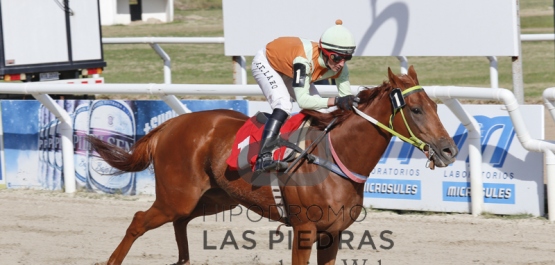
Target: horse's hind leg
{"x":142,"y":222}
{"x":152,"y":218}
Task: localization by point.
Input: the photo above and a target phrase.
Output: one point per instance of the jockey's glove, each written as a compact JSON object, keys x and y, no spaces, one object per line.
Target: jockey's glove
{"x":346,"y":102}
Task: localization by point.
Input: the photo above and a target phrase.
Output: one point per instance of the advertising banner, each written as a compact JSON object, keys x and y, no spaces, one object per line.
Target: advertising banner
{"x":33,"y":146}
{"x":22,"y":124}
{"x":512,"y":176}
{"x":2,"y":157}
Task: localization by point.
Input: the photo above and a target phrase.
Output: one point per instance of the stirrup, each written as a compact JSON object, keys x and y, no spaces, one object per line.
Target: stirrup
{"x":265,"y":163}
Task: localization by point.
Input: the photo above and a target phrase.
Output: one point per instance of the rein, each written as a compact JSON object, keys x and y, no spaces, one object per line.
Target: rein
{"x":341,"y":169}
{"x":413,"y":140}
{"x":398,"y":104}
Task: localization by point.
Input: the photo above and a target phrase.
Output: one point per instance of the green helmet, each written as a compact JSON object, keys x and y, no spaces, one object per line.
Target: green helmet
{"x":337,"y":39}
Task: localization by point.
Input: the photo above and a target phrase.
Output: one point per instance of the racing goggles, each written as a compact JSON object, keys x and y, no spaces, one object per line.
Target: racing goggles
{"x":337,"y":57}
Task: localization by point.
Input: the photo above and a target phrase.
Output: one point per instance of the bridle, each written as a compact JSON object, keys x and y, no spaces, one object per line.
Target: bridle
{"x":399,"y":104}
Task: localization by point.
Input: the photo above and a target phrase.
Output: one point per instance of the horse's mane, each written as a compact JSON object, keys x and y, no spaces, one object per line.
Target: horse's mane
{"x":366,"y":95}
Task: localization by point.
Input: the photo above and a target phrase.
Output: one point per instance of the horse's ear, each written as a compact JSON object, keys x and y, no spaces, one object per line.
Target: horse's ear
{"x":393,"y":79}
{"x":412,"y":74}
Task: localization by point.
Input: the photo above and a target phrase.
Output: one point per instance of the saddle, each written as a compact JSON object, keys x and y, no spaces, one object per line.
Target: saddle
{"x":291,"y":145}
{"x":247,"y":141}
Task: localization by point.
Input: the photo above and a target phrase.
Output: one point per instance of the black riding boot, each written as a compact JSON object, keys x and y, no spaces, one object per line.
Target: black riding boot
{"x":265,"y":161}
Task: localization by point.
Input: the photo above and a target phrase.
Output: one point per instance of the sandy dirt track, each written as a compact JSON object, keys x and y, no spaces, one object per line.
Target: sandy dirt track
{"x":39,"y":227}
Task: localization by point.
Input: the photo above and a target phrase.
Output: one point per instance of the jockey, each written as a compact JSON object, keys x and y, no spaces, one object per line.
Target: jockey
{"x":287,"y":68}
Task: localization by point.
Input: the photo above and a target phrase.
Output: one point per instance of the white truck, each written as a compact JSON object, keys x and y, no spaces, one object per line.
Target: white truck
{"x":50,"y":40}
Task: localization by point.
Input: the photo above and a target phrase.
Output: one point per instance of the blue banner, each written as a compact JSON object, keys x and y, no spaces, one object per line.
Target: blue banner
{"x":33,"y":144}
{"x":392,"y":189}
{"x":493,"y":192}
{"x":2,"y":163}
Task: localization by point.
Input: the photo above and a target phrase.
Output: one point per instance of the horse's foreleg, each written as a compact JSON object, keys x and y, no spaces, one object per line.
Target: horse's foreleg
{"x":212,"y":202}
{"x":142,"y":222}
{"x":303,"y":239}
{"x":328,"y":245}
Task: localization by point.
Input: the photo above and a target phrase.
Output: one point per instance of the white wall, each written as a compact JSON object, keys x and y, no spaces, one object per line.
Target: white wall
{"x":114,"y":12}
{"x":108,"y":10}
{"x":157,"y":9}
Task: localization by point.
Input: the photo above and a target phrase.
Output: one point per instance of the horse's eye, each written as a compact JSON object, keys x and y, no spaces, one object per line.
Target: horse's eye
{"x":416,"y":110}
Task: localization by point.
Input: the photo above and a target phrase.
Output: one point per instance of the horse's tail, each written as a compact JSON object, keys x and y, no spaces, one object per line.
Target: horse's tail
{"x":137,"y":159}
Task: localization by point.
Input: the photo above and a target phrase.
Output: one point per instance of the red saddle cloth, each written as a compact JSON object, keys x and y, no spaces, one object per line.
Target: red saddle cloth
{"x":247,"y":141}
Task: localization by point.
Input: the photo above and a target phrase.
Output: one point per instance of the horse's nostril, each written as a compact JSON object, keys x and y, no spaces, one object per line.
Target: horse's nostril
{"x":448,"y":152}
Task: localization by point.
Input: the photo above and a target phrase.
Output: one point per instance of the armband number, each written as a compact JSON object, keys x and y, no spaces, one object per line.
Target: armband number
{"x":299,"y":75}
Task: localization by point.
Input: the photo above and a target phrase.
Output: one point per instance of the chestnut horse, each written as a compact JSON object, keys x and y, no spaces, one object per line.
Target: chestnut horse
{"x":192,"y":177}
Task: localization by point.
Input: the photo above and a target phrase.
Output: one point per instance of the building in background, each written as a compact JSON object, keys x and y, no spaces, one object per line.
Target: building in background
{"x":113,"y":12}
